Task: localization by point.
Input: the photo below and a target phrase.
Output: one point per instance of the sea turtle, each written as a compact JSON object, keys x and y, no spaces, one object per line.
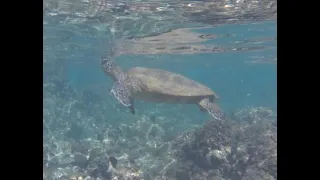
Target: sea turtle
{"x":156,"y":85}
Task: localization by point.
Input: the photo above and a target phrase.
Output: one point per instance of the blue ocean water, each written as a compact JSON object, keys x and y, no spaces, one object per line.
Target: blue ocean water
{"x":85,"y":129}
{"x":239,"y":82}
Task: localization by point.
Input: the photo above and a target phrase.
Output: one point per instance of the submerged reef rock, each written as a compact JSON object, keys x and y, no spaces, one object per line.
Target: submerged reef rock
{"x":98,"y":167}
{"x":228,"y":150}
{"x":128,"y":174}
{"x":83,"y":142}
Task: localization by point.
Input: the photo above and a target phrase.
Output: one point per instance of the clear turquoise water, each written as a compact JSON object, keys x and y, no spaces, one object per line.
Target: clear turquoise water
{"x":79,"y":108}
{"x":238,"y":83}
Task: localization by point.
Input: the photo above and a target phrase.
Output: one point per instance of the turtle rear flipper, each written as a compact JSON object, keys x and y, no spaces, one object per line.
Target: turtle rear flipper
{"x":123,"y":95}
{"x":212,"y":108}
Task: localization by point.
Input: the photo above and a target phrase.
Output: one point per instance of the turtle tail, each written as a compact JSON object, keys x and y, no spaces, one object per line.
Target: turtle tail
{"x":212,"y":108}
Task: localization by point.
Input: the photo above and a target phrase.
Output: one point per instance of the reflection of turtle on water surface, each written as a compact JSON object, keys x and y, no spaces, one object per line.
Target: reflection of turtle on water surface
{"x":155,"y":85}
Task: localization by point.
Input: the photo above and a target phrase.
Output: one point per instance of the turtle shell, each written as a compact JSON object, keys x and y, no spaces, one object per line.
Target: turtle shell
{"x":165,"y":86}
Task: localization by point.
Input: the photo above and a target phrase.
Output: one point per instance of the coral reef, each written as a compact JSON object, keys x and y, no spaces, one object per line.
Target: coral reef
{"x":82,"y":141}
{"x":229,"y":150}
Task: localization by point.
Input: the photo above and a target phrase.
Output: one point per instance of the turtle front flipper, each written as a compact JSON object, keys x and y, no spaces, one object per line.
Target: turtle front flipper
{"x":212,"y":108}
{"x":123,"y":95}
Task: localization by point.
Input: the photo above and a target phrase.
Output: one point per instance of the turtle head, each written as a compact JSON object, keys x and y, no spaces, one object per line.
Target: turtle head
{"x":108,"y":65}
